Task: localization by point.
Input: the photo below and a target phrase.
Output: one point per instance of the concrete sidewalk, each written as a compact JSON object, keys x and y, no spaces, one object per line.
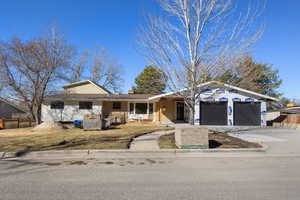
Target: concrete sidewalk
{"x":127,"y":153}
{"x":148,"y":142}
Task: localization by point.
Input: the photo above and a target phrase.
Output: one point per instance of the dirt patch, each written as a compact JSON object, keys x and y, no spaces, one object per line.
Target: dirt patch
{"x":216,"y":140}
{"x":224,"y":141}
{"x":167,"y":141}
{"x":48,"y":125}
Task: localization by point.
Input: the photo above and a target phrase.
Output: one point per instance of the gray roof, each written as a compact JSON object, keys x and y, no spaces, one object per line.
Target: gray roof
{"x":97,"y":97}
{"x":291,"y":110}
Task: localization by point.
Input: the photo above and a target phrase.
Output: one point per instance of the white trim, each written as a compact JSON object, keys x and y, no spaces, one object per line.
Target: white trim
{"x":139,"y":116}
{"x":250,"y":92}
{"x":170,"y":93}
{"x":217,"y":83}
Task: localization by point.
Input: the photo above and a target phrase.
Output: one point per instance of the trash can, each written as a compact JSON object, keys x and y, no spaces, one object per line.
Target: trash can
{"x":78,"y":123}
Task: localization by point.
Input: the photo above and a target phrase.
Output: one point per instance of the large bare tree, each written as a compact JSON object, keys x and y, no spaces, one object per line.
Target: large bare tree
{"x":197,"y":40}
{"x":99,"y":66}
{"x":30,"y":67}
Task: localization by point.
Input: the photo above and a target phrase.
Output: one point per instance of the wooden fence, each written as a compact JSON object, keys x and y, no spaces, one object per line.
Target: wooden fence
{"x":292,"y":119}
{"x":288,"y":119}
{"x":16,"y":123}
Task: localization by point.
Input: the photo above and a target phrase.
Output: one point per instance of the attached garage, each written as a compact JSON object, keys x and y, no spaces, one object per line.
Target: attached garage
{"x":220,"y":104}
{"x":213,"y":113}
{"x":247,"y":113}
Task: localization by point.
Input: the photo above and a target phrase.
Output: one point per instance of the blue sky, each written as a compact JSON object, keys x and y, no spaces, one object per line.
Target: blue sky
{"x":113,"y":24}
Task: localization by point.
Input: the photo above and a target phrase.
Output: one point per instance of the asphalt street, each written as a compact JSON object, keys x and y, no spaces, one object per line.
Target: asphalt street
{"x":274,"y":175}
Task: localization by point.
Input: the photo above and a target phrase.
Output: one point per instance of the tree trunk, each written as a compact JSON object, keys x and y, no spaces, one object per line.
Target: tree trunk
{"x":192,"y":116}
{"x":39,"y":114}
{"x":192,"y":107}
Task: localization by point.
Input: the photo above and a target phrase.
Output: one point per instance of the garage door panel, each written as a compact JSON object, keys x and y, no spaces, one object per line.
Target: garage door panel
{"x":213,"y":113}
{"x":247,"y":113}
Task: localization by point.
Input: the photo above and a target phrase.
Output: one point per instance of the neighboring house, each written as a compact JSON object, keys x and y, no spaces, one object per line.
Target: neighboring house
{"x":9,"y":110}
{"x":218,"y":104}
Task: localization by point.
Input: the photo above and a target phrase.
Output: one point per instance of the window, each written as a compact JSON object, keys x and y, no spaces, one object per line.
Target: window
{"x":57,"y":105}
{"x":116,"y":105}
{"x":84,"y":105}
{"x":151,"y":108}
{"x":141,"y":108}
{"x":131,"y":108}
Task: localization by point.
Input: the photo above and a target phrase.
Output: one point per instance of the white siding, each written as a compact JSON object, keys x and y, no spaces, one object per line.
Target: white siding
{"x":70,"y":112}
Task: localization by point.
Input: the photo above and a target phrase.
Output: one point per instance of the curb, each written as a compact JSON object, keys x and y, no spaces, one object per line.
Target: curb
{"x":85,"y":153}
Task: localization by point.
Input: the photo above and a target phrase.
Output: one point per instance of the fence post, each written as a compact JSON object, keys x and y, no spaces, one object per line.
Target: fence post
{"x":29,"y":122}
{"x":18,"y":122}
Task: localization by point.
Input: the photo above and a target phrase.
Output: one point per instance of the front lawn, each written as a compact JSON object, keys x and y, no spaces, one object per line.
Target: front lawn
{"x":216,"y":140}
{"x":118,"y":137}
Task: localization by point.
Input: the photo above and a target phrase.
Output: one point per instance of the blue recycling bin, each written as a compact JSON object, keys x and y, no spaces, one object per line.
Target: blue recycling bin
{"x":78,"y":123}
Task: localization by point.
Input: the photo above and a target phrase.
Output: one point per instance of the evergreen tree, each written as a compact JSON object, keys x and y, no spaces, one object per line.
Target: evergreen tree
{"x":257,"y":77}
{"x":150,"y":81}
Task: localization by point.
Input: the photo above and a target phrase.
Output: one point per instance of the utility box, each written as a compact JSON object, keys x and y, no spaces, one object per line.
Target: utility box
{"x":92,"y":122}
{"x":191,"y":137}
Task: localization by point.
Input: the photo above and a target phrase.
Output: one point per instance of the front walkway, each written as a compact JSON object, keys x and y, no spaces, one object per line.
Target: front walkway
{"x":148,"y":142}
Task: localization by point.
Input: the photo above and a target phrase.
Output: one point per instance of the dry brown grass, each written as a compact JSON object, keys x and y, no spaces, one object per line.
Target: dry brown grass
{"x":118,"y":137}
{"x":167,"y":141}
{"x":143,"y":123}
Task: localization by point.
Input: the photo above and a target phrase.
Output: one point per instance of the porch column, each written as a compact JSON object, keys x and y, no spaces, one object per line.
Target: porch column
{"x":154,"y":113}
{"x":148,"y":109}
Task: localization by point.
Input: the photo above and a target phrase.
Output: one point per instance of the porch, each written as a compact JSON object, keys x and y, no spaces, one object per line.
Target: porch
{"x":163,"y":111}
{"x":128,"y":111}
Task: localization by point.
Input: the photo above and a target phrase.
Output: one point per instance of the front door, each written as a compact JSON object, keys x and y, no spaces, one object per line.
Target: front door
{"x":180,"y":111}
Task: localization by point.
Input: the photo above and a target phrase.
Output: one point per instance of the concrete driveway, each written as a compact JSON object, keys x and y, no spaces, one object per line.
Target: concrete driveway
{"x":280,"y":140}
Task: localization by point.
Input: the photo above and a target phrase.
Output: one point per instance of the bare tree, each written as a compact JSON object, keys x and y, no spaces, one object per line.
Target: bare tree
{"x":197,"y":40}
{"x":76,"y":68}
{"x":106,"y":70}
{"x":100,"y":67}
{"x":30,"y":67}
